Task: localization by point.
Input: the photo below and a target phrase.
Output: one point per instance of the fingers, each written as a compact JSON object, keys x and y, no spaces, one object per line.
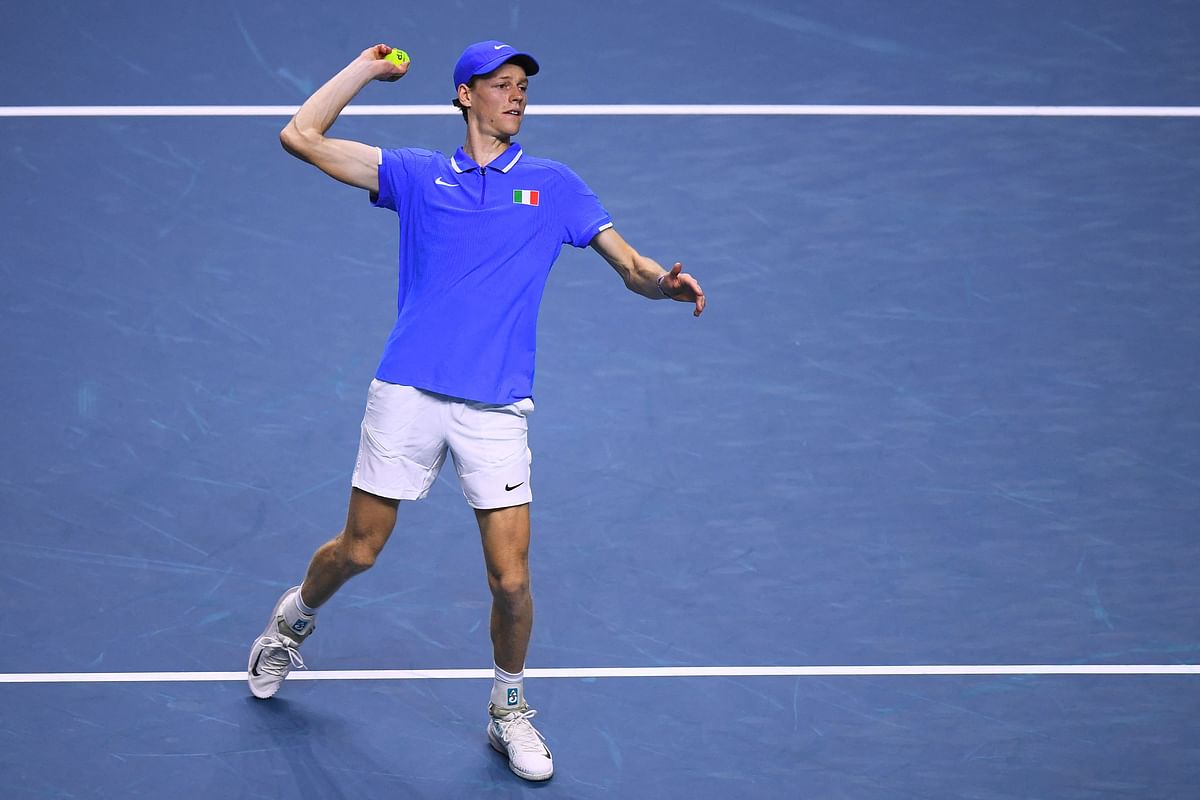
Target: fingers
{"x":697,"y":294}
{"x":393,"y":71}
{"x":397,"y":72}
{"x":684,"y":287}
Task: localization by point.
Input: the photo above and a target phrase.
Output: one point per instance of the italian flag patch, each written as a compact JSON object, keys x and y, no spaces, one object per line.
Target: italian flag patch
{"x":525,"y":197}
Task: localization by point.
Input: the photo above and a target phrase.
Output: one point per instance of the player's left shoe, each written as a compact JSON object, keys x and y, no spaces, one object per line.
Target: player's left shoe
{"x":512,"y":734}
{"x":276,"y":652}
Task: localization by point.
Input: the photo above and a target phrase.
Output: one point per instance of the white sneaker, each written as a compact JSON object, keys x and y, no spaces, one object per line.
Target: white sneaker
{"x":513,"y":734}
{"x":275,"y":653}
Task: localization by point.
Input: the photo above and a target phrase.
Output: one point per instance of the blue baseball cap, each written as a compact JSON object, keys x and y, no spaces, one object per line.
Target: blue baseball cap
{"x":483,"y":57}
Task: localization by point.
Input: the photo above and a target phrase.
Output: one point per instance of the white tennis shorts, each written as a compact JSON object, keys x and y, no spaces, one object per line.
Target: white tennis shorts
{"x":406,"y":433}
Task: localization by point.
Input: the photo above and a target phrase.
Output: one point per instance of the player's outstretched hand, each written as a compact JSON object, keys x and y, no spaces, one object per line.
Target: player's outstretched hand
{"x":389,"y":70}
{"x":681,"y":286}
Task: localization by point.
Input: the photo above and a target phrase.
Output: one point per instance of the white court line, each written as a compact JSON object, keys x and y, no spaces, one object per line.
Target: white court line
{"x":623,"y":110}
{"x":616,"y":672}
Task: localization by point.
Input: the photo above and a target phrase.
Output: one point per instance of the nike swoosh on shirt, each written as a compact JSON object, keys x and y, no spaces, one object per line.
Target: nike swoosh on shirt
{"x":441,"y":182}
{"x":508,"y":488}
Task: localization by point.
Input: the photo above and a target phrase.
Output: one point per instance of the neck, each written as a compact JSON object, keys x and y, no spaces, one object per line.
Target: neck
{"x":484,"y":148}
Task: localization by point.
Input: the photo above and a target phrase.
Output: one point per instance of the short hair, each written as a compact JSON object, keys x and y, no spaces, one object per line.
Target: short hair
{"x":460,"y":106}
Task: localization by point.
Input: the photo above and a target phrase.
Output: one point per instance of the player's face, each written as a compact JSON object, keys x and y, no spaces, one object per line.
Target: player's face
{"x":497,"y":100}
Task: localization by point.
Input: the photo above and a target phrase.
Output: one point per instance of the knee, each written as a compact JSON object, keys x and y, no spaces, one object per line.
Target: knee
{"x":510,"y":588}
{"x":360,"y":559}
{"x":357,"y":555}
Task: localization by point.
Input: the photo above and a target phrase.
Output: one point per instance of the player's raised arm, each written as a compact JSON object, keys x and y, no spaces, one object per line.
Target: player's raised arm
{"x":304,"y":136}
{"x":644,"y":275}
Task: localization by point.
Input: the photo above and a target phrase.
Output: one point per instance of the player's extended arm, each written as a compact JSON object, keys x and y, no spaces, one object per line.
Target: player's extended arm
{"x":304,"y":136}
{"x":644,"y":275}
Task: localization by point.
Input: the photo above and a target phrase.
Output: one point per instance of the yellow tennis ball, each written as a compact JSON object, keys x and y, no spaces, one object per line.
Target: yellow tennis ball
{"x":397,"y":57}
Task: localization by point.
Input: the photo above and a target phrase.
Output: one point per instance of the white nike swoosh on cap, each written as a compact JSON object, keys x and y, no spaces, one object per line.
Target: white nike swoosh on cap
{"x":438,"y":180}
{"x":499,"y":46}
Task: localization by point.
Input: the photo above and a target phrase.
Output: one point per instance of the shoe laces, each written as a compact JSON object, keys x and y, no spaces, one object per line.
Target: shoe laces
{"x":279,"y":655}
{"x":517,"y":730}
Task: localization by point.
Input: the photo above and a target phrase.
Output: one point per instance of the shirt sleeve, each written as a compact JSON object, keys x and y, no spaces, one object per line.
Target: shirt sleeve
{"x":396,"y":171}
{"x":581,"y":213}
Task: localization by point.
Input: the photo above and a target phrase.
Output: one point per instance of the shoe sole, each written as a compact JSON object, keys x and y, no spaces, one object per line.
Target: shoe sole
{"x":255,"y":650}
{"x":502,"y":750}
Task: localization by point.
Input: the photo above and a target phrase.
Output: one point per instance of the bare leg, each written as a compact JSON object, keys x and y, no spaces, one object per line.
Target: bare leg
{"x":505,"y":535}
{"x":369,"y":523}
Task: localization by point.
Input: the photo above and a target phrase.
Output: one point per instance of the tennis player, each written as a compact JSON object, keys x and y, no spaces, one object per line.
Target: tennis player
{"x":479,"y":232}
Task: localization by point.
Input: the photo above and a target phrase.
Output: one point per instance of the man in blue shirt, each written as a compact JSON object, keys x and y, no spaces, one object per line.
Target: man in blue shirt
{"x":479,"y":232}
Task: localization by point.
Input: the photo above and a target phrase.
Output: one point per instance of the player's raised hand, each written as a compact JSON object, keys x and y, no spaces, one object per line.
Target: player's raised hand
{"x":679,"y":285}
{"x":393,"y":63}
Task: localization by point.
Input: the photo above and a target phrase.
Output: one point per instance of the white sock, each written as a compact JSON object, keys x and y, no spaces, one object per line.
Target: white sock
{"x":304,"y":609}
{"x":296,"y":615}
{"x":508,"y":690}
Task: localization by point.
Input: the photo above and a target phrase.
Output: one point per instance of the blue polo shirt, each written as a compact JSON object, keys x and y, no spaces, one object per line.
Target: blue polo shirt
{"x":476,"y":247}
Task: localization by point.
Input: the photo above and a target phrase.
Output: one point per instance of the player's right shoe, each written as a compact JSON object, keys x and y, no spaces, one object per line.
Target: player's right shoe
{"x":511,"y":733}
{"x":276,"y":652}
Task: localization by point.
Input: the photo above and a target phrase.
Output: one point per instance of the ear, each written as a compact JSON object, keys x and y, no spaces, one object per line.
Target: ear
{"x":464,"y":95}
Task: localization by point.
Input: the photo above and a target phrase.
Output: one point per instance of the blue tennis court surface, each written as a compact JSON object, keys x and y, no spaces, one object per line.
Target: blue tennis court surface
{"x":943,"y":409}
